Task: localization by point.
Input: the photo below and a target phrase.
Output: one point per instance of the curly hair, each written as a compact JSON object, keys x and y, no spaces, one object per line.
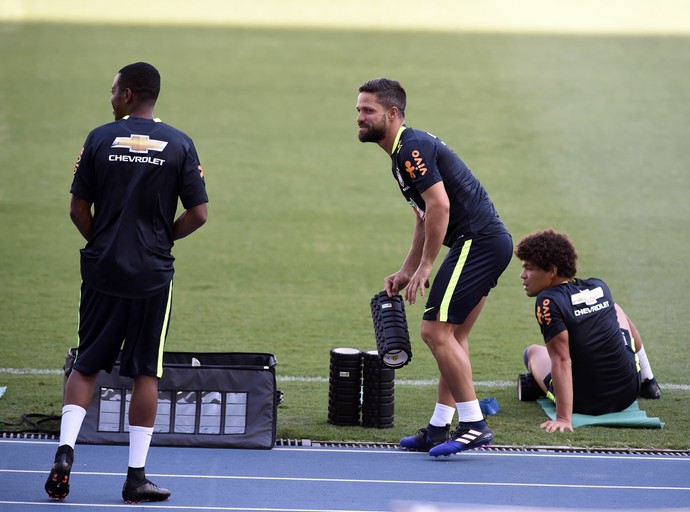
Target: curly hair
{"x":547,"y":249}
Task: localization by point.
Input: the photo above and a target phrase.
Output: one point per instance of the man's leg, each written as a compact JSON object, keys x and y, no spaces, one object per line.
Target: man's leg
{"x":449,"y":344}
{"x":78,"y":395}
{"x":142,"y":410}
{"x":147,"y":330}
{"x":649,"y":387}
{"x":539,"y":364}
{"x":142,"y":415}
{"x":455,"y":382}
{"x":454,"y":367}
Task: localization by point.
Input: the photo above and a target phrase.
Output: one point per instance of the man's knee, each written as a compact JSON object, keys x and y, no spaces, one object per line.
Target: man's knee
{"x":531,"y":352}
{"x":435,"y":334}
{"x":427,"y":334}
{"x":534,"y":349}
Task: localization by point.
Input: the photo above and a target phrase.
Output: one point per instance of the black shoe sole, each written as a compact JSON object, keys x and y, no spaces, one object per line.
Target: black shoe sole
{"x":57,"y":485}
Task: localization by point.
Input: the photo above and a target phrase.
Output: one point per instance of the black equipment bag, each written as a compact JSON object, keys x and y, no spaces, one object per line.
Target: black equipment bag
{"x":212,"y":399}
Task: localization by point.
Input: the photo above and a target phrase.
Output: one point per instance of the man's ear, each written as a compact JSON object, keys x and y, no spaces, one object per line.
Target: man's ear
{"x":129,"y":95}
{"x":553,"y":271}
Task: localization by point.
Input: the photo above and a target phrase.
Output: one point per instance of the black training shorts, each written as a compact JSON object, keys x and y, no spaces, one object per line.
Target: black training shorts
{"x":106,"y":321}
{"x":468,"y":272}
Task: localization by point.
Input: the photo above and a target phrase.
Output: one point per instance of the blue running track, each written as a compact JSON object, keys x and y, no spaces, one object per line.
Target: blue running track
{"x":334,"y":479}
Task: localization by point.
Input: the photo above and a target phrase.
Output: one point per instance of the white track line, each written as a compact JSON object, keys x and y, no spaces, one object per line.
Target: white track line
{"x":453,"y":483}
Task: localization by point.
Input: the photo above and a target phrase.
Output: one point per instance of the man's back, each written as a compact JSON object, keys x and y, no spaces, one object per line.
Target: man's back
{"x":603,"y":367}
{"x":133,"y":171}
{"x":420,"y":160}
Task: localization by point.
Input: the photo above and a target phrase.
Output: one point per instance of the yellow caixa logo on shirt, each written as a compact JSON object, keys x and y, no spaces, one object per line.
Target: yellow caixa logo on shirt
{"x":140,"y":144}
{"x":418,"y":164}
{"x":544,"y":312}
{"x":76,"y":166}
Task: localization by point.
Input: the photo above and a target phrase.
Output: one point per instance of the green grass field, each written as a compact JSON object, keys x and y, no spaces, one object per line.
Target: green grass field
{"x":585,"y":134}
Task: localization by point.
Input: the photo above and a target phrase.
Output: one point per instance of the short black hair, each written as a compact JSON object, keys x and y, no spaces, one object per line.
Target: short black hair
{"x":547,"y":249}
{"x":142,"y":79}
{"x":388,"y":92}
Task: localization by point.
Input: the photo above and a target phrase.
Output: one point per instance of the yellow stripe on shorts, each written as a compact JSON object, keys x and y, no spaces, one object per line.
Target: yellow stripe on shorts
{"x":164,"y":332}
{"x":445,"y":303}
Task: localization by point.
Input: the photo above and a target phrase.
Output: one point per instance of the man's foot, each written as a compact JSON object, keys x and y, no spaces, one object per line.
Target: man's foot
{"x":425,"y":438}
{"x":528,"y":389}
{"x":466,"y":436}
{"x":57,"y":485}
{"x":136,"y":491}
{"x":650,"y":389}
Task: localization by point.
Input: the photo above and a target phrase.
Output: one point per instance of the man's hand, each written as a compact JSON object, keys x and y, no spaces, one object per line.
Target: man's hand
{"x":557,"y":424}
{"x":395,"y":282}
{"x":418,"y":281}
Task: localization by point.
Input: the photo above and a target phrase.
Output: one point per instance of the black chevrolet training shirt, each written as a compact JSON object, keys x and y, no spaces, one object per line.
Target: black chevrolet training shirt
{"x":421,"y":160}
{"x":133,"y":171}
{"x":603,"y":365}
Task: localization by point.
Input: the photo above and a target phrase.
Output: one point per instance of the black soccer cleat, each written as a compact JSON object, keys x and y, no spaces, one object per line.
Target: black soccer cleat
{"x":425,"y":438}
{"x":57,"y":485}
{"x":136,"y":492}
{"x":467,"y":436}
{"x":650,"y":389}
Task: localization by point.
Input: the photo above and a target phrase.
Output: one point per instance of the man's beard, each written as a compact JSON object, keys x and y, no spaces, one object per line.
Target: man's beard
{"x":375,"y":133}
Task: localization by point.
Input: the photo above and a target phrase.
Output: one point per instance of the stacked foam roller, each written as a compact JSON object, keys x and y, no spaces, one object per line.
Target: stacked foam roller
{"x":378,"y":392}
{"x":345,"y":386}
{"x":390,"y":326}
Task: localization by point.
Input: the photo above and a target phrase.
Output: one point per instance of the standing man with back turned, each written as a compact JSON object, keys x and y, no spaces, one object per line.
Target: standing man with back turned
{"x":132,"y":172}
{"x":453,"y":209}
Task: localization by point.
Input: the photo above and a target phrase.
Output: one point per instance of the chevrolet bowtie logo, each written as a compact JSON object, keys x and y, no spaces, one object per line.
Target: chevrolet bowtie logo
{"x":588,"y":297}
{"x":139,"y":144}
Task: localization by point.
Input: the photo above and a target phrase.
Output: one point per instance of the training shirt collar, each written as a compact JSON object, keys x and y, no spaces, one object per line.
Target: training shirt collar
{"x":397,"y":139}
{"x":155,"y":119}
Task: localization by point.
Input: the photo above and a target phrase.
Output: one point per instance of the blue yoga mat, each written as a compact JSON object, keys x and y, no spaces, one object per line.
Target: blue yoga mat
{"x":632,"y":417}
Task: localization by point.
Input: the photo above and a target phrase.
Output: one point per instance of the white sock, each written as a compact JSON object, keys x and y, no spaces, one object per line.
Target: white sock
{"x":443,"y":415}
{"x":70,"y":423}
{"x":645,"y":367}
{"x":469,"y":411}
{"x":139,"y":442}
